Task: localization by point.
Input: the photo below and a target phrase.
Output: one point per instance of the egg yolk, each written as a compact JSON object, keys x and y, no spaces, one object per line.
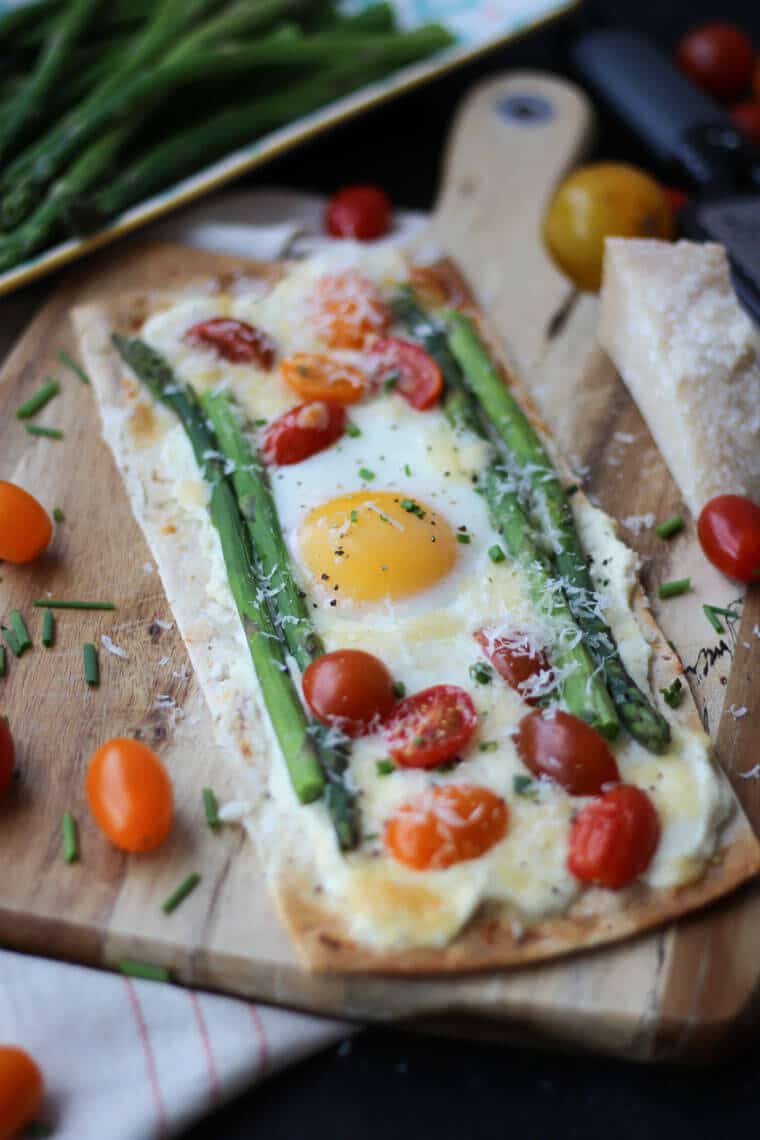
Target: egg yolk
{"x":369,"y":545}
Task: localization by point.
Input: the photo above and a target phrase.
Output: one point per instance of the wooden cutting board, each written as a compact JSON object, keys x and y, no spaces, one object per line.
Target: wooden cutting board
{"x":675,"y":993}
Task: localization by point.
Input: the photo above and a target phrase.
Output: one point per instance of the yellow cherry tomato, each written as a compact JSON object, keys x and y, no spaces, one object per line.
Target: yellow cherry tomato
{"x":603,"y":199}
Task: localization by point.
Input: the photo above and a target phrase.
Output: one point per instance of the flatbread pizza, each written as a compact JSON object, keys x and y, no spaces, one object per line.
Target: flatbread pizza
{"x":463,"y":740}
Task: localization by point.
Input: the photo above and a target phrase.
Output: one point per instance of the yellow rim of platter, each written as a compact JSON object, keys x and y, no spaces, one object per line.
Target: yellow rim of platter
{"x":274,"y":144}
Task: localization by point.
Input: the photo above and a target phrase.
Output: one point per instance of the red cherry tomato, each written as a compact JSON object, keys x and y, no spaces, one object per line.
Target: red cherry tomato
{"x":677,"y":198}
{"x":235,"y":341}
{"x":729,"y":534}
{"x":303,"y":431}
{"x":431,"y":727}
{"x":20,"y":1091}
{"x":613,"y":839}
{"x":418,"y":377}
{"x":567,"y":750}
{"x":445,"y":825}
{"x":362,"y":212}
{"x":7,"y":755}
{"x":718,"y":58}
{"x":747,"y":116}
{"x":514,"y":659}
{"x":349,"y":688}
{"x":130,"y":794}
{"x":25,"y":527}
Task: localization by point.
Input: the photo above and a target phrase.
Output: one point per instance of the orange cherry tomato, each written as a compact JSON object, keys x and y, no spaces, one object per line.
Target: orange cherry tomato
{"x":130,"y":794}
{"x":514,"y":659}
{"x":348,"y":309}
{"x":361,"y":212}
{"x":614,"y":838}
{"x":235,"y":341}
{"x":565,"y":749}
{"x":319,"y":376}
{"x":7,"y":755}
{"x":729,"y":534}
{"x":418,"y":377}
{"x":349,"y":688}
{"x":25,"y":527}
{"x":717,"y":57}
{"x":447,"y":824}
{"x":431,"y":727}
{"x":303,"y":431}
{"x":747,"y":116}
{"x":20,"y":1090}
{"x":597,"y":201}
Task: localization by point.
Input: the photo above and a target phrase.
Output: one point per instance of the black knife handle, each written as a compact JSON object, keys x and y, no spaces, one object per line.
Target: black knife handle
{"x":685,"y":128}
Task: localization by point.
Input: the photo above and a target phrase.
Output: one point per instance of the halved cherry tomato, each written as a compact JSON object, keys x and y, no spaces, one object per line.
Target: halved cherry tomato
{"x":350,"y":689}
{"x":747,"y":116}
{"x":447,"y":824}
{"x":319,"y":376}
{"x":717,"y":57}
{"x":514,"y":659}
{"x":677,"y":198}
{"x":130,"y":794}
{"x":431,"y":727}
{"x":235,"y":341}
{"x":20,"y":1090}
{"x":7,"y":754}
{"x":418,"y":377}
{"x":567,"y":750}
{"x":613,"y":839}
{"x":303,"y":431}
{"x":729,"y":534}
{"x":25,"y":527}
{"x":362,"y":212}
{"x":348,"y":309}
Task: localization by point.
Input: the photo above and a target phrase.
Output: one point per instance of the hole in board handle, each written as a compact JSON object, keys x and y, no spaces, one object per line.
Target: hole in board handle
{"x":525,"y":110}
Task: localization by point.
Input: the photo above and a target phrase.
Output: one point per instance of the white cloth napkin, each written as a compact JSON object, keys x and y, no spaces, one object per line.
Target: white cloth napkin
{"x":134,"y":1060}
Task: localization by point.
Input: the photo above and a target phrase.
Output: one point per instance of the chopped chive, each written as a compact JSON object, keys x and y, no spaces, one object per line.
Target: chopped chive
{"x":48,"y":433}
{"x":399,"y":689}
{"x":673,"y":695}
{"x":62,"y":604}
{"x":670,"y":527}
{"x":407,"y":469}
{"x":211,"y":807}
{"x":391,"y":380}
{"x":385,"y":767}
{"x":70,"y":363}
{"x":70,"y":838}
{"x":366,"y":474}
{"x":91,"y":665}
{"x":354,"y":516}
{"x":2,"y":660}
{"x":481,"y":673}
{"x":712,"y":617}
{"x":145,"y":970}
{"x":10,"y":638}
{"x":43,"y":396}
{"x":260,"y":423}
{"x":495,"y":553}
{"x":524,"y":786}
{"x":180,"y":894}
{"x":573,"y":489}
{"x":58,"y":515}
{"x":48,"y":629}
{"x":370,"y":836}
{"x":21,"y":632}
{"x":675,"y":587}
{"x":465,"y":539}
{"x":412,"y":508}
{"x":488,"y":745}
{"x":353,"y":430}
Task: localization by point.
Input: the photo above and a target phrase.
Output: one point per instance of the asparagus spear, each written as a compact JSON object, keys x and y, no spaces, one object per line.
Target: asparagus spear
{"x":532,"y":462}
{"x":303,"y":744}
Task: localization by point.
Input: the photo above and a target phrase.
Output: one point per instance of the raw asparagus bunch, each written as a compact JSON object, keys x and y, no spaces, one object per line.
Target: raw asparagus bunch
{"x":316,"y":767}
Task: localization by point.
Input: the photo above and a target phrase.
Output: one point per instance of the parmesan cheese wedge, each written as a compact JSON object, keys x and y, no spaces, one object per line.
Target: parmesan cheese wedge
{"x":690,"y":357}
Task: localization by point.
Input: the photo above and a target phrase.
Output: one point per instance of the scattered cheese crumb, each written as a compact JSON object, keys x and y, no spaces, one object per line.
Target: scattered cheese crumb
{"x":164,"y":660}
{"x":180,"y":674}
{"x":756,"y":630}
{"x":753,"y":774}
{"x":148,"y":568}
{"x":163,"y":624}
{"x":111,"y":647}
{"x":738,"y":713}
{"x":624,"y":437}
{"x":637,"y":523}
{"x":164,"y":701}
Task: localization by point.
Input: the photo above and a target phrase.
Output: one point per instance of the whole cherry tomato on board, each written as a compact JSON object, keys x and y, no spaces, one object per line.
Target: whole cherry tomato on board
{"x":235,"y":341}
{"x":320,"y":376}
{"x":25,"y":527}
{"x":729,"y":534}
{"x":747,"y":116}
{"x":303,"y":431}
{"x":447,"y":824}
{"x":565,"y":749}
{"x":431,"y":727}
{"x":613,"y":839}
{"x":347,"y":309}
{"x":7,"y":755}
{"x":130,"y":794}
{"x":597,"y":201}
{"x":349,"y":688}
{"x":20,"y":1090}
{"x":416,"y":375}
{"x":514,"y":659}
{"x":361,"y":212}
{"x":717,"y":57}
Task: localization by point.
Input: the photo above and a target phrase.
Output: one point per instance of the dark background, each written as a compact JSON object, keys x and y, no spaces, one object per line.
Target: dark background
{"x":387,"y":1084}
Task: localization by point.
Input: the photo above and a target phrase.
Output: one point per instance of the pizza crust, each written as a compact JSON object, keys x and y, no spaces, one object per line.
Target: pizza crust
{"x":494,"y":937}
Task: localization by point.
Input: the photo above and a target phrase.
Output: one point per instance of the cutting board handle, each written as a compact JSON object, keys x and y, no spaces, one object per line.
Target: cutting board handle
{"x":512,"y":139}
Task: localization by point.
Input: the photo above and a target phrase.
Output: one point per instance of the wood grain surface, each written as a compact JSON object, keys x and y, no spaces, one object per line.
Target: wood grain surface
{"x":675,"y":993}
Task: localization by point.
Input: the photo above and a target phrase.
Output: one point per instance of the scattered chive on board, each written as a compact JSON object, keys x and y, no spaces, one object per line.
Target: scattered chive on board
{"x":63,"y":604}
{"x":72,"y":365}
{"x":711,"y":613}
{"x":21,"y":632}
{"x":58,"y":515}
{"x":91,"y":664}
{"x":45,"y":432}
{"x":41,"y":397}
{"x":674,"y":693}
{"x":10,"y":638}
{"x":211,"y":807}
{"x":70,"y":837}
{"x":145,"y":970}
{"x":670,"y":527}
{"x":2,"y":660}
{"x":675,"y":587}
{"x":48,"y":629}
{"x":186,"y":887}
